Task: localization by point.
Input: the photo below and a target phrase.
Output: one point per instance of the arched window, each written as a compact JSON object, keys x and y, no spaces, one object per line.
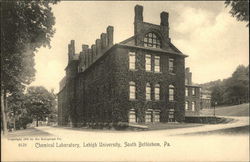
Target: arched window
{"x":151,"y":40}
{"x":132,"y":90}
{"x":171,"y":92}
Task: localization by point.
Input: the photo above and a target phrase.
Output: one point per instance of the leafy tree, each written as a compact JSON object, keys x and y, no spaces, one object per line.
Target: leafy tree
{"x":25,"y":27}
{"x":240,"y":9}
{"x":16,"y":105}
{"x":234,"y":90}
{"x":39,"y":102}
{"x":237,"y":87}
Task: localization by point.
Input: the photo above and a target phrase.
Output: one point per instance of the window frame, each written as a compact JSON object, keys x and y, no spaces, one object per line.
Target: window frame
{"x":186,"y":105}
{"x":171,"y":92}
{"x":157,"y":86}
{"x":148,"y":62}
{"x":193,"y":106}
{"x":186,"y":91}
{"x":132,"y":63}
{"x":193,"y":91}
{"x":156,"y":57}
{"x":132,"y":94}
{"x":148,"y":92}
{"x":151,"y":39}
{"x":171,"y":69}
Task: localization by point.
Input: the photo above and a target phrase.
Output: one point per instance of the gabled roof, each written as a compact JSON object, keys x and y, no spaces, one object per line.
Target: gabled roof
{"x":130,"y":42}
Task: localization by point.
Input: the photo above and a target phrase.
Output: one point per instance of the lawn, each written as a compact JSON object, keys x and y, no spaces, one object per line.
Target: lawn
{"x":236,"y":110}
{"x":162,"y":126}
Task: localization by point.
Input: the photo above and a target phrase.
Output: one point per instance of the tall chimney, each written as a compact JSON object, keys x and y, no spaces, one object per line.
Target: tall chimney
{"x":98,"y":47}
{"x":110,"y":31}
{"x":165,"y":25}
{"x":84,"y":52}
{"x":71,"y":50}
{"x":87,"y":58}
{"x":164,"y":19}
{"x":93,"y":47}
{"x":138,"y":13}
{"x":90,"y":56}
{"x":103,"y":41}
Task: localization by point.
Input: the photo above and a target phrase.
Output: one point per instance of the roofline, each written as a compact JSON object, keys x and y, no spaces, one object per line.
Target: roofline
{"x":153,"y":49}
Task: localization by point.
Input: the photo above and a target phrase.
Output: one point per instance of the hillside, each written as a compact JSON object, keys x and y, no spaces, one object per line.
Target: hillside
{"x":236,"y":110}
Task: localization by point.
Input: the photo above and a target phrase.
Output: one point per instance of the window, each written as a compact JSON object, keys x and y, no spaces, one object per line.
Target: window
{"x":151,"y":40}
{"x":157,"y":64}
{"x":186,"y":91}
{"x":132,"y":60}
{"x":157,"y":92}
{"x":148,"y":117}
{"x":193,"y":91}
{"x":157,"y":116}
{"x":186,"y":105}
{"x":193,"y":106}
{"x":171,"y":65}
{"x":171,"y":93}
{"x":148,"y":92}
{"x":132,"y":116}
{"x":186,"y":81}
{"x":132,"y":90}
{"x":148,"y":62}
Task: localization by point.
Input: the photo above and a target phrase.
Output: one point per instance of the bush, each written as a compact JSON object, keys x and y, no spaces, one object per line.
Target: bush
{"x":23,"y":121}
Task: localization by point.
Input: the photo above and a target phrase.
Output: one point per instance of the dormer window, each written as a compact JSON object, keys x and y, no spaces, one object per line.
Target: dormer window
{"x":151,"y":40}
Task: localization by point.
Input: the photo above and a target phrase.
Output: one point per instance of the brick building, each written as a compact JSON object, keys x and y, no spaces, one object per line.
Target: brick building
{"x":141,"y":79}
{"x":192,"y":95}
{"x":205,"y":99}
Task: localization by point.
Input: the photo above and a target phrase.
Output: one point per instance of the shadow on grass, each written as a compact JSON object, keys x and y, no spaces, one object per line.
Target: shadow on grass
{"x":29,"y":132}
{"x":243,"y":130}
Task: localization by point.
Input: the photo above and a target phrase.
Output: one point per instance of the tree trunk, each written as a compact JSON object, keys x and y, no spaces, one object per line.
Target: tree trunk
{"x":14,"y":124}
{"x":3,"y":110}
{"x":36,"y":122}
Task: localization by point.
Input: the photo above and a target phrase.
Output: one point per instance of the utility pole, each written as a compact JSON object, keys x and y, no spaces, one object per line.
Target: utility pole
{"x":215,"y":103}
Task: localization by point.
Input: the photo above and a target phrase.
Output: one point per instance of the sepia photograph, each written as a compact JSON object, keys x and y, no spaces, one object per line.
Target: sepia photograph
{"x":124,"y":80}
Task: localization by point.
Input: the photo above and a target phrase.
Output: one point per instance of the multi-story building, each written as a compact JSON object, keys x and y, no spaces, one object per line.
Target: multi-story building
{"x":141,"y":79}
{"x":205,"y":99}
{"x":192,"y":95}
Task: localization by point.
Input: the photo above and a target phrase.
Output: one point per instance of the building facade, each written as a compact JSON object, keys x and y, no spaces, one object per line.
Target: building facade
{"x":192,"y":95}
{"x":205,"y":99}
{"x":139,"y":80}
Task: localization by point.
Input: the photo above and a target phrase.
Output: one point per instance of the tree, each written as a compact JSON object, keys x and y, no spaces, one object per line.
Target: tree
{"x":233,"y":90}
{"x":25,"y":27}
{"x":39,"y":102}
{"x":16,"y":105}
{"x":240,"y":9}
{"x":237,"y":86}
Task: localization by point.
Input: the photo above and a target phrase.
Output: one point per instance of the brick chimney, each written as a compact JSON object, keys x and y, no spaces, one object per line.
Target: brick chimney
{"x":103,"y":41}
{"x":164,"y":22}
{"x":188,"y":76}
{"x":138,"y":13}
{"x":110,"y":31}
{"x":71,"y":50}
{"x":98,"y":47}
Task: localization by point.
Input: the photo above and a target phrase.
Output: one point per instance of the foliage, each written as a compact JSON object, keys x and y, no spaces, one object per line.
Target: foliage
{"x":39,"y":102}
{"x":16,"y":103}
{"x":25,"y":27}
{"x":240,"y":9}
{"x":234,"y":90}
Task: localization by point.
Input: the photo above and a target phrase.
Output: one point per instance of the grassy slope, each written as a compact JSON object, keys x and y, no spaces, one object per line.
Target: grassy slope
{"x":236,"y":110}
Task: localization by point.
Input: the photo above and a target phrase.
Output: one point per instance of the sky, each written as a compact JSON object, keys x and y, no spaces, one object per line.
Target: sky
{"x":215,"y":42}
